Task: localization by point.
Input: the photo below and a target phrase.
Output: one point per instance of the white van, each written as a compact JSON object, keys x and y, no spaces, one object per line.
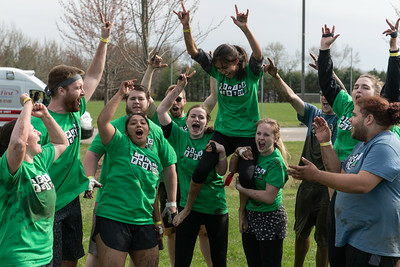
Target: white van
{"x":14,"y":82}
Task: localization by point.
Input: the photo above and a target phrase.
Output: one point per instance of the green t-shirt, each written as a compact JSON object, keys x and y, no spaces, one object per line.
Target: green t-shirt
{"x":67,"y":171}
{"x":237,"y":104}
{"x":269,"y":170}
{"x":27,"y":201}
{"x":156,"y":142}
{"x":130,"y":190}
{"x":343,"y":106}
{"x":211,"y":199}
{"x":181,"y":122}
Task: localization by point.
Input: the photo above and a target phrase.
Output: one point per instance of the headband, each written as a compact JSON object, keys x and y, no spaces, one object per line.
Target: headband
{"x":63,"y":83}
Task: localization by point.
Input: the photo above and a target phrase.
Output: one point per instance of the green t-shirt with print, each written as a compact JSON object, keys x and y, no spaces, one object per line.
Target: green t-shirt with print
{"x":343,"y":106}
{"x":67,"y":171}
{"x":130,"y":190}
{"x":211,"y":199}
{"x":156,"y":142}
{"x":269,"y":170}
{"x":237,"y":103}
{"x":27,"y":201}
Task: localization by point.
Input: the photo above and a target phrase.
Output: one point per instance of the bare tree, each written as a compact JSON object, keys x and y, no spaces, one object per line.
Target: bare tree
{"x":141,"y":27}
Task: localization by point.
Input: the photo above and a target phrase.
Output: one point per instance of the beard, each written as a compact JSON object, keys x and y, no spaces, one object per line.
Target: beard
{"x":71,"y":104}
{"x":359,"y":133}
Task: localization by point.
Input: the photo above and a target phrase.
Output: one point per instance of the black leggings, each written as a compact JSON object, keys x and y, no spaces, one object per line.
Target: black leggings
{"x":209,"y":160}
{"x":186,"y":234}
{"x":262,"y":253}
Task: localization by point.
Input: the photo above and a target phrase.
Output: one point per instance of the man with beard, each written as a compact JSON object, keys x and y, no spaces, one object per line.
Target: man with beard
{"x":69,"y":94}
{"x":312,"y":199}
{"x":367,"y":206}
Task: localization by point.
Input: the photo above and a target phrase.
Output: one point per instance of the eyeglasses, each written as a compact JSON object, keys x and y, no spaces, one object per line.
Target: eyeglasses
{"x":178,"y":99}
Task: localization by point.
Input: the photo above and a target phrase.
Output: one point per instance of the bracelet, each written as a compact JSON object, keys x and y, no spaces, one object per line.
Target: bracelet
{"x":224,"y":157}
{"x":170,"y":204}
{"x":325,"y":144}
{"x":104,"y":40}
{"x":91,"y":176}
{"x":158,"y":223}
{"x":27,"y":99}
{"x":187,"y":30}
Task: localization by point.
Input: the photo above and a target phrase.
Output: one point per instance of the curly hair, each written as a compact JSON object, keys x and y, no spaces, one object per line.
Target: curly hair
{"x":385,"y":114}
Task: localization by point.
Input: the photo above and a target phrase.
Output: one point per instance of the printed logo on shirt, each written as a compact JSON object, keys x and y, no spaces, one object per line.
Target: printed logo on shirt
{"x":150,"y":143}
{"x":191,"y":152}
{"x":72,"y":133}
{"x":185,"y":128}
{"x":233,"y":90}
{"x":313,"y":129}
{"x":258,"y":172}
{"x":352,"y":162}
{"x":345,"y":124}
{"x":144,"y":162}
{"x":42,"y":183}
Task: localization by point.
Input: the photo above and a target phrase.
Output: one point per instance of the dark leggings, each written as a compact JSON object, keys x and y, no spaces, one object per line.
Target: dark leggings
{"x":262,"y":253}
{"x":209,"y":160}
{"x":186,"y":235}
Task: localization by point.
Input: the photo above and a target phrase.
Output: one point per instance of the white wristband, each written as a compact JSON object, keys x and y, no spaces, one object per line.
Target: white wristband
{"x":242,"y":150}
{"x":170,"y":204}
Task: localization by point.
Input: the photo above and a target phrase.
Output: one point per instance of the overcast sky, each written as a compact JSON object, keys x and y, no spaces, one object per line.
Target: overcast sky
{"x":360,"y":23}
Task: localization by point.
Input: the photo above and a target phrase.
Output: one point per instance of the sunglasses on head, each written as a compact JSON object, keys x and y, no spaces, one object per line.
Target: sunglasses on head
{"x":178,"y":99}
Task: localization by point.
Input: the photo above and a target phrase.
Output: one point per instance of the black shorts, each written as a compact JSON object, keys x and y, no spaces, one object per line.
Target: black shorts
{"x":68,"y":234}
{"x":125,"y":237}
{"x":312,"y":202}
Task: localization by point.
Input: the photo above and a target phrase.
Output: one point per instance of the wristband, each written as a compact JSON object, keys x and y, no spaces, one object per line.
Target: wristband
{"x":242,"y":150}
{"x":104,"y":40}
{"x":325,"y":144}
{"x":393,"y":34}
{"x":27,"y":99}
{"x":394,"y":53}
{"x":327,"y":35}
{"x":170,"y":204}
{"x":158,"y":223}
{"x":187,"y":30}
{"x":224,"y":157}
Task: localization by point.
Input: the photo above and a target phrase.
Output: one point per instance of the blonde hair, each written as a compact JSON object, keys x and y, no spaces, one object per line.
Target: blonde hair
{"x":277,"y":132}
{"x":377,"y":84}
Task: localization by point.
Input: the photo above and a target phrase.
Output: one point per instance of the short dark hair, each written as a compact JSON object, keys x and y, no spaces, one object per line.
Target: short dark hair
{"x":130,"y":115}
{"x":5,"y":135}
{"x":60,"y":73}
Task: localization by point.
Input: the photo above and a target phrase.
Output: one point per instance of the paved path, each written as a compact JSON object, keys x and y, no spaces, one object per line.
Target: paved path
{"x":287,"y":134}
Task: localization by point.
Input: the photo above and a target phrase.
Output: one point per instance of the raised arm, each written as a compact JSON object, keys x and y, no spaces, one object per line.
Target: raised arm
{"x":56,"y":135}
{"x":327,"y":82}
{"x":391,"y":89}
{"x":19,"y":137}
{"x":95,"y":71}
{"x":106,"y":130}
{"x":241,"y":22}
{"x":284,"y":89}
{"x":154,"y":63}
{"x":212,"y":99}
{"x":166,"y":103}
{"x":184,"y":17}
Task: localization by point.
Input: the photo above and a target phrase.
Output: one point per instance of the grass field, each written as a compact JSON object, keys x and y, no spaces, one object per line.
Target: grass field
{"x":285,"y":114}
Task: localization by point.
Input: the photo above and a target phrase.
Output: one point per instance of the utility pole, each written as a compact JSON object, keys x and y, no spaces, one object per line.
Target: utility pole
{"x":303,"y":41}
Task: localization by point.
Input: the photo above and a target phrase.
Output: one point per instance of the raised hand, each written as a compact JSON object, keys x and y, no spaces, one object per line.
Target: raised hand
{"x":322,"y":131}
{"x":271,"y":68}
{"x":156,"y":62}
{"x":241,"y":18}
{"x":328,"y":37}
{"x":184,"y":15}
{"x":106,"y":28}
{"x":393,"y":32}
{"x":184,"y":77}
{"x":39,"y":110}
{"x":126,"y":87}
{"x":315,"y":64}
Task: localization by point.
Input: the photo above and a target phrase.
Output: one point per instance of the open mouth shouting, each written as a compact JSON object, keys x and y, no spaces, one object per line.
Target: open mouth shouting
{"x":196,"y":126}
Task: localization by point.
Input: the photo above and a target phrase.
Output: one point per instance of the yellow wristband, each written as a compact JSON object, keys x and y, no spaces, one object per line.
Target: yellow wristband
{"x":27,"y":99}
{"x":394,"y":54}
{"x":186,"y":30}
{"x":158,"y":223}
{"x":224,"y":157}
{"x":325,"y":144}
{"x":104,"y":40}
